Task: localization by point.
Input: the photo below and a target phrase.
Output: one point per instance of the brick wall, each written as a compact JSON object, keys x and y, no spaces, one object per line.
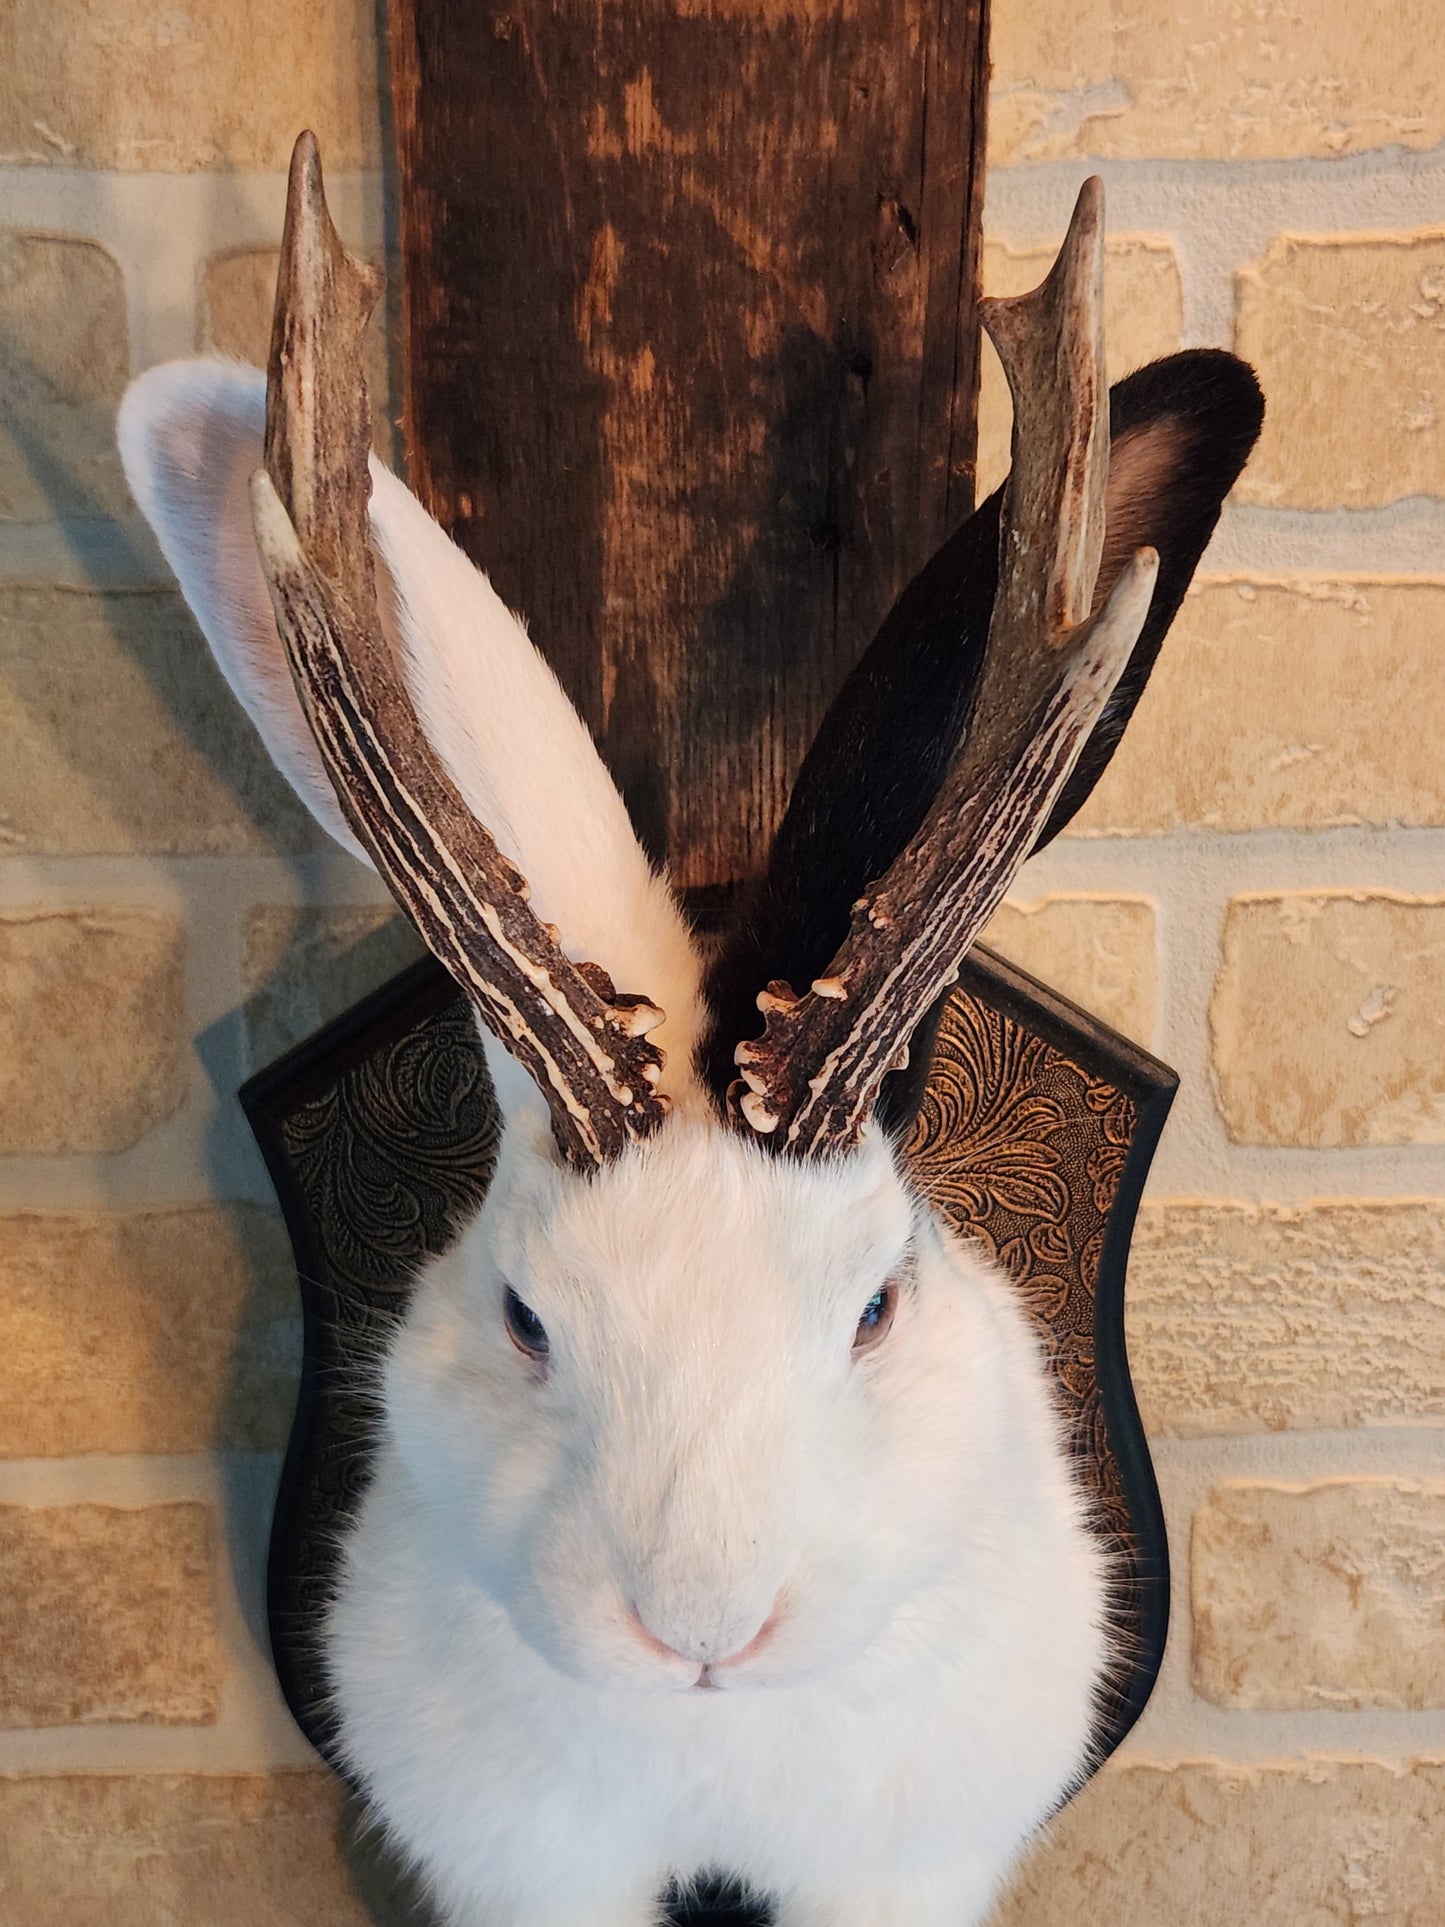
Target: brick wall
{"x":1257,"y":890}
{"x":168,"y":921}
{"x":1274,"y":827}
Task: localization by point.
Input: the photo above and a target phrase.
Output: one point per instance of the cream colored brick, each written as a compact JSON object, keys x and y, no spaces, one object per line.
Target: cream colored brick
{"x":141,"y":84}
{"x":238,"y":293}
{"x":108,"y":1615}
{"x":1312,"y":1843}
{"x":304,"y":967}
{"x":1051,"y":48}
{"x":1302,"y":703}
{"x":1325,"y":1595}
{"x":120,"y":735}
{"x":64,"y":363}
{"x":1143,"y":319}
{"x":1348,"y":337}
{"x":90,"y":1028}
{"x":1257,"y":1318}
{"x":164,"y":1850}
{"x":1212,"y":79}
{"x":146,"y":1331}
{"x":1328,"y":1019}
{"x":1097,"y":950}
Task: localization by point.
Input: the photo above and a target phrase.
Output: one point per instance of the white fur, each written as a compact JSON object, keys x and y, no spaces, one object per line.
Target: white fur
{"x":190,"y":439}
{"x":703,"y":1450}
{"x":705,"y":1440}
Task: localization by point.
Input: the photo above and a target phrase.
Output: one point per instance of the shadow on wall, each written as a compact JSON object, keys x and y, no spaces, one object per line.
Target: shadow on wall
{"x":773,"y":647}
{"x":139,"y":750}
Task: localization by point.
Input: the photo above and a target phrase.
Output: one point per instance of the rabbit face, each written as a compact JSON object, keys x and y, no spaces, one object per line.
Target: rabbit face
{"x":712,"y":1476}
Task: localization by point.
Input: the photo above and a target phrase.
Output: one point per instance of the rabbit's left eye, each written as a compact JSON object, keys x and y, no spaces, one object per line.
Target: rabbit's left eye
{"x":524,"y":1327}
{"x":877,"y":1317}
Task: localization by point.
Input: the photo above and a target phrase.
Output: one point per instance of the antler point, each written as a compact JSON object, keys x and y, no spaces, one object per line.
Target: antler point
{"x":777,"y":996}
{"x":637,"y":1020}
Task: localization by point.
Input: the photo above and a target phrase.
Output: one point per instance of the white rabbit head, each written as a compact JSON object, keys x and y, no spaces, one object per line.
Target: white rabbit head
{"x":698,"y":1408}
{"x":700,"y":1445}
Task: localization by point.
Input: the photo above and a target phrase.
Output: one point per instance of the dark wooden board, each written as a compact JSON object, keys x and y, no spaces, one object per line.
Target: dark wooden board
{"x":1035,"y":1136}
{"x":690,"y":354}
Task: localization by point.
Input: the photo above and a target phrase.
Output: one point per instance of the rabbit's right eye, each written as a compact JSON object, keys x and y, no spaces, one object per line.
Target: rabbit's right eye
{"x":876,"y":1318}
{"x":524,"y":1327}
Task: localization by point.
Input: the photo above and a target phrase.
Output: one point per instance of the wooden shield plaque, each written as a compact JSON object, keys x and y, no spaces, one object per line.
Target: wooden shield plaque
{"x":1035,"y":1136}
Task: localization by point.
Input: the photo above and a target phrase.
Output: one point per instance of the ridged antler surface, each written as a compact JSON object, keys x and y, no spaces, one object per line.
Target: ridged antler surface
{"x":813,"y":1077}
{"x":582,"y":1042}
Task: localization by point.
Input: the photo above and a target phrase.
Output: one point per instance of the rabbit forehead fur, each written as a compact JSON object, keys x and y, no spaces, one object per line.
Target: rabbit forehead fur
{"x":704,"y":1448}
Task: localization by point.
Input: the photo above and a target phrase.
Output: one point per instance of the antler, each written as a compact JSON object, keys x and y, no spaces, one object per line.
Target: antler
{"x":814,"y":1075}
{"x":581,"y":1041}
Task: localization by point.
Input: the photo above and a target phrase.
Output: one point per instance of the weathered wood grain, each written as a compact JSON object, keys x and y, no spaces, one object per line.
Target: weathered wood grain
{"x":690,"y":354}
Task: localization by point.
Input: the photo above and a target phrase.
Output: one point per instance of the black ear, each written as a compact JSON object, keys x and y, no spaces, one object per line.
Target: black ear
{"x":1181,"y":431}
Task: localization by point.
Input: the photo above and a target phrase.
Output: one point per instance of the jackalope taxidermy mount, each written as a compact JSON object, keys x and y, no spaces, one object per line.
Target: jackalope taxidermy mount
{"x":721,"y":1518}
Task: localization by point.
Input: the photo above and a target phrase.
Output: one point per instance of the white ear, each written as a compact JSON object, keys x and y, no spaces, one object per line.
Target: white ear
{"x":524,"y":760}
{"x":190,"y":437}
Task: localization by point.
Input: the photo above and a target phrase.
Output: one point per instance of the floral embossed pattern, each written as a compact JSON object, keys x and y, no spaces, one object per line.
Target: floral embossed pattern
{"x":1022,"y":1150}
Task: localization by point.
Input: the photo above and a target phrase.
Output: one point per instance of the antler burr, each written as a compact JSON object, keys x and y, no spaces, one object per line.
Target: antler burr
{"x":582,"y":1042}
{"x":813,"y":1077}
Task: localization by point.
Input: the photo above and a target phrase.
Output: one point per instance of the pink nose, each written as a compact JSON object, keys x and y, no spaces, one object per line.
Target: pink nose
{"x":663,"y":1651}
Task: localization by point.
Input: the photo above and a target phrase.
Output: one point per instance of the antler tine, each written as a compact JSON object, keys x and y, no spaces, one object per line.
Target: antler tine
{"x":814,"y":1075}
{"x":582,"y":1042}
